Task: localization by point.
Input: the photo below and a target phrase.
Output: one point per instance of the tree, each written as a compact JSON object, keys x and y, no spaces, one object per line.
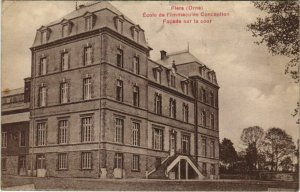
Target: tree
{"x":228,"y":154}
{"x":277,"y":145}
{"x":279,"y":30}
{"x":286,"y":164}
{"x":252,"y":137}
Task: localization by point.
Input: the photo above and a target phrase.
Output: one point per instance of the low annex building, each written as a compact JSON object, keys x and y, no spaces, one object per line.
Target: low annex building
{"x":101,"y":108}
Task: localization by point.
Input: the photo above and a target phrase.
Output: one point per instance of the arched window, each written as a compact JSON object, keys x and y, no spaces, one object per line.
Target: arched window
{"x":212,"y":121}
{"x":203,"y":118}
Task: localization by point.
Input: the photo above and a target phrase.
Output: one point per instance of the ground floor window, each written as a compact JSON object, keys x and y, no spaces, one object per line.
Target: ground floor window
{"x":86,"y":160}
{"x":119,"y":160}
{"x":135,"y":162}
{"x":41,"y":161}
{"x":62,"y":161}
{"x":3,"y":163}
{"x":204,"y":169}
{"x":212,"y":169}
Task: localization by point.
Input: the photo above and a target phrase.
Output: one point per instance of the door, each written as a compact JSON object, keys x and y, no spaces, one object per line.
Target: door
{"x":41,"y":165}
{"x":22,"y":165}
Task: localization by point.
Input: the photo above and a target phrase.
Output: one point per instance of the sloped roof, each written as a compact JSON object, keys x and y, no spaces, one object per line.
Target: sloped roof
{"x":8,"y":92}
{"x":90,"y":7}
{"x":179,"y":57}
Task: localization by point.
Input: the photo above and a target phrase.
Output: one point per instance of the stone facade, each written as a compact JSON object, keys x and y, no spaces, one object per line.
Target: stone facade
{"x":112,"y":127}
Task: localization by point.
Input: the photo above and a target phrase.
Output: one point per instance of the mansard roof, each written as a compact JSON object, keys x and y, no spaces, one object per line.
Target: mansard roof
{"x":179,"y":57}
{"x":90,"y":8}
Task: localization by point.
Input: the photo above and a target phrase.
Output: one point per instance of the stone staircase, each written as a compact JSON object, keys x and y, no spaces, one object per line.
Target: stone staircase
{"x":159,"y":172}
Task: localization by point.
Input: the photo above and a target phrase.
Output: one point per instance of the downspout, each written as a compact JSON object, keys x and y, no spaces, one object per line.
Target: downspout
{"x":99,"y":142}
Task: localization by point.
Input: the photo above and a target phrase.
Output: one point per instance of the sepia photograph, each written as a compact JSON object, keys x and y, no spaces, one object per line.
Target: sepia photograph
{"x":150,"y":95}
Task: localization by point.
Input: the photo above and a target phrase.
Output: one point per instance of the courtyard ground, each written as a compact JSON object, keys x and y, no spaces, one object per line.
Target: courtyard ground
{"x":33,"y":183}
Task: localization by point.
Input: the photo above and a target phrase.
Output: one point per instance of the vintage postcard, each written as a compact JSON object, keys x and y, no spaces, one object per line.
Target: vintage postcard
{"x":150,"y":95}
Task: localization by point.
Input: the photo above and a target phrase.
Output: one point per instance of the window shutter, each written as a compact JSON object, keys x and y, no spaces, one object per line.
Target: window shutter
{"x":91,"y":160}
{"x":93,"y":128}
{"x":170,"y":106}
{"x":69,"y":60}
{"x":152,"y":138}
{"x":46,"y":100}
{"x":68,"y":91}
{"x":92,"y":55}
{"x":154,"y":73}
{"x":81,"y":60}
{"x":175,"y":109}
{"x":39,"y":97}
{"x":155,"y":95}
{"x":57,"y":161}
{"x":47,"y":65}
{"x":92,"y":88}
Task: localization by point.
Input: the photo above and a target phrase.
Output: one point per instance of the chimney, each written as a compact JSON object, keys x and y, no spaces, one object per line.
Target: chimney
{"x":163,"y":54}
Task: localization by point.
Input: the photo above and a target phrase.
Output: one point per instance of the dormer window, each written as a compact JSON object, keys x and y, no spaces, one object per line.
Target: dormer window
{"x":89,"y":23}
{"x":119,"y":20}
{"x":65,"y":30}
{"x":185,"y":87}
{"x":157,"y":74}
{"x":135,"y":33}
{"x":173,"y":82}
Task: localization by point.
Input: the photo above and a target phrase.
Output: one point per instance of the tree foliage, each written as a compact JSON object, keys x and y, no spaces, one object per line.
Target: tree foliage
{"x":278,"y":29}
{"x":228,"y":154}
{"x":252,"y":135}
{"x":277,"y":145}
{"x":286,"y":164}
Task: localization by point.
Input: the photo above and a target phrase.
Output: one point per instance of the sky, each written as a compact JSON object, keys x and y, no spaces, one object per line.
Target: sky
{"x":253,"y":87}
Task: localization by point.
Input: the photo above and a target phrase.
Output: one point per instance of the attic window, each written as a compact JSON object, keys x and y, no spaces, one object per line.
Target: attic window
{"x":135,"y":33}
{"x":157,"y":74}
{"x":45,"y":36}
{"x":184,"y":86}
{"x":89,"y":23}
{"x":119,"y":23}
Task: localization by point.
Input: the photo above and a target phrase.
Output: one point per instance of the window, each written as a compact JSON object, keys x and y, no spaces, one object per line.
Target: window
{"x":41,"y":134}
{"x":87,"y":88}
{"x":203,"y":118}
{"x":212,"y":149}
{"x":185,"y":109}
{"x":120,"y":26}
{"x":212,"y":169}
{"x":62,"y":131}
{"x":203,"y":95}
{"x":4,"y":139}
{"x":135,"y":35}
{"x":42,"y":96}
{"x":40,"y":161}
{"x":3,"y":163}
{"x":62,"y":161}
{"x":157,"y":139}
{"x":64,"y":92}
{"x":172,"y":107}
{"x":158,"y":76}
{"x":44,"y":36}
{"x":86,"y":129}
{"x":204,"y":147}
{"x":65,"y":30}
{"x":135,"y":162}
{"x":87,"y":55}
{"x":136,"y":96}
{"x":185,"y":88}
{"x":185,"y":144}
{"x":119,"y":160}
{"x":119,"y":90}
{"x":43,"y":66}
{"x":64,"y":61}
{"x":212,"y":121}
{"x":119,"y":128}
{"x":173,"y":83}
{"x":204,"y":168}
{"x":89,"y":23}
{"x":22,"y":139}
{"x":136,"y":64}
{"x":212,"y":103}
{"x":135,"y":134}
{"x":86,"y":160}
{"x":120,"y":58}
{"x":158,"y":104}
